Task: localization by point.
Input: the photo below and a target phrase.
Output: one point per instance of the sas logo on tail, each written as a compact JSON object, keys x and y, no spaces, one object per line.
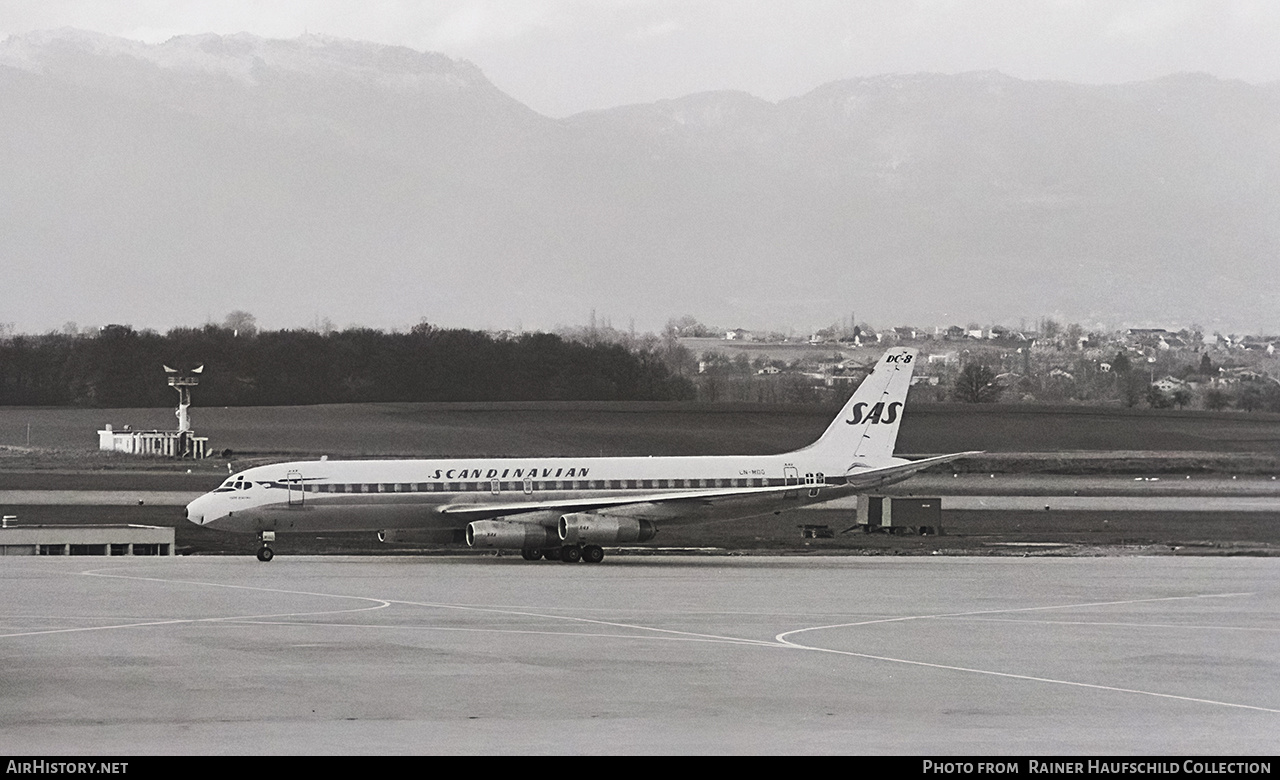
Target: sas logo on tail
{"x":880,"y":413}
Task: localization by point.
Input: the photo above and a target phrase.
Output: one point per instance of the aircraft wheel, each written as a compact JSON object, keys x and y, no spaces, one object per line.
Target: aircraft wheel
{"x":551,"y":554}
{"x":531,"y":555}
{"x":570,"y":554}
{"x":592,"y":553}
{"x":265,"y":554}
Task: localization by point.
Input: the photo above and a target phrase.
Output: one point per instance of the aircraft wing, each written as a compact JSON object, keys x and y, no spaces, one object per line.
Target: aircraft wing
{"x":863,"y":479}
{"x":481,"y":511}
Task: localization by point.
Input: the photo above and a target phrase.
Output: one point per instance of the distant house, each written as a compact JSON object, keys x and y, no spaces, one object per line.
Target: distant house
{"x":1169,"y":384}
{"x":1239,"y":374}
{"x":737,"y":334}
{"x":770,"y":370}
{"x":831,"y":380}
{"x":1146,"y":337}
{"x":1260,"y":346}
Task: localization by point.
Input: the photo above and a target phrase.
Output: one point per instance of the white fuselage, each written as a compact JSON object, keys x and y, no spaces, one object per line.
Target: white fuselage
{"x":372,"y":495}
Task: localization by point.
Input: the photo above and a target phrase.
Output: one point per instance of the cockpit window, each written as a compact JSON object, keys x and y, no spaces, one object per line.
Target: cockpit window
{"x":233,"y":484}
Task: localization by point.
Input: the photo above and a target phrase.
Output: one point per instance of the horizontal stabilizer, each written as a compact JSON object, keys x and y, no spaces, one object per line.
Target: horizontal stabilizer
{"x":878,"y":476}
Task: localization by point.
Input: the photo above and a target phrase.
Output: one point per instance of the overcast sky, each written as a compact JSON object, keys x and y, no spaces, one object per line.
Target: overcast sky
{"x":564,"y":56}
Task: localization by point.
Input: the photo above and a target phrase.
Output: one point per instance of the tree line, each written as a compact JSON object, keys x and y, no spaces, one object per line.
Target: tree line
{"x":122,"y":367}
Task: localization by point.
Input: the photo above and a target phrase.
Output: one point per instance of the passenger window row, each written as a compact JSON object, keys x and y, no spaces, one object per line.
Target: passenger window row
{"x":545,"y":485}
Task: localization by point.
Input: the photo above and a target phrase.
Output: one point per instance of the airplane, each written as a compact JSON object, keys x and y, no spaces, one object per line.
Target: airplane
{"x":569,"y":508}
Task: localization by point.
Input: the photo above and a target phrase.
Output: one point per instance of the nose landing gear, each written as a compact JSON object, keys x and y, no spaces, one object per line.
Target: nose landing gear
{"x":264,"y":552}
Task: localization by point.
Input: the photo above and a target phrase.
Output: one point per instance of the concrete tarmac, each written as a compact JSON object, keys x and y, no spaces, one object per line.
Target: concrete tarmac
{"x":645,"y":654}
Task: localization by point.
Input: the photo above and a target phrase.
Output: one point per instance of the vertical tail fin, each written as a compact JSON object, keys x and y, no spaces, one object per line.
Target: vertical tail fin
{"x":867,"y":427}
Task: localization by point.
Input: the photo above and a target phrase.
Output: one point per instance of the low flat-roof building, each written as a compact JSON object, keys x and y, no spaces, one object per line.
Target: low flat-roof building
{"x":168,"y":444}
{"x":85,"y":539}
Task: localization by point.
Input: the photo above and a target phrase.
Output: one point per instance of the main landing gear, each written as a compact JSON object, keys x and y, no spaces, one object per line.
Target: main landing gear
{"x":570,"y":553}
{"x":264,"y":552}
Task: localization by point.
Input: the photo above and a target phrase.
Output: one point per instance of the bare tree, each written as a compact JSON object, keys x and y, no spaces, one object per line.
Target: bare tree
{"x":976,"y":385}
{"x":242,"y":323}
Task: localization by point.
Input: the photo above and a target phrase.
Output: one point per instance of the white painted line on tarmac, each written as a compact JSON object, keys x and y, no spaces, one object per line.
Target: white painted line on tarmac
{"x":464,"y":629}
{"x":1195,"y":626}
{"x":649,"y":631}
{"x":177,"y":621}
{"x":1012,"y":676}
{"x":592,"y":621}
{"x":1031,"y":678}
{"x":904,"y":618}
{"x":378,"y":604}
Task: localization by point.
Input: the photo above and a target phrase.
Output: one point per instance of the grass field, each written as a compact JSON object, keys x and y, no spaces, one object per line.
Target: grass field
{"x":609,"y":429}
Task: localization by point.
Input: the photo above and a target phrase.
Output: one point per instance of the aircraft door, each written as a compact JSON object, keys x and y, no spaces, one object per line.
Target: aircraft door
{"x":296,"y":494}
{"x":790,"y":476}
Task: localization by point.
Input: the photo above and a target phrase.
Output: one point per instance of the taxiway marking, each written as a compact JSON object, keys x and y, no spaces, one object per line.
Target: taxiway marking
{"x":378,"y":604}
{"x":780,"y":640}
{"x":1010,"y":675}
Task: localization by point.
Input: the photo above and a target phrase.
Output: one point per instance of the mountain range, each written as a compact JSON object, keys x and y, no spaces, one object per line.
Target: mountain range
{"x":320,"y":178}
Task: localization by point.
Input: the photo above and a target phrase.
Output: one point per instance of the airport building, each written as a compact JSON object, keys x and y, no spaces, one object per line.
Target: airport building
{"x":165,"y":444}
{"x":85,"y":539}
{"x":182,"y":443}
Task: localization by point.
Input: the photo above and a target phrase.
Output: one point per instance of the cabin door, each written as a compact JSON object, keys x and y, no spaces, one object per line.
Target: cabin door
{"x":294,"y":480}
{"x":790,"y":476}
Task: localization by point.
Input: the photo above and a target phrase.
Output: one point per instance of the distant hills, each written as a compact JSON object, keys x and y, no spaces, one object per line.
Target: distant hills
{"x":320,"y":178}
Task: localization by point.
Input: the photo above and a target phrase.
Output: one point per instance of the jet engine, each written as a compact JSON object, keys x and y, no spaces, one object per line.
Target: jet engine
{"x":585,"y":528}
{"x":510,"y":535}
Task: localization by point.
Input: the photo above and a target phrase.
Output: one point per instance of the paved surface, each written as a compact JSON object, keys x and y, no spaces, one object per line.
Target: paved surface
{"x":96,"y":497}
{"x":1115,"y":503}
{"x":645,"y":654}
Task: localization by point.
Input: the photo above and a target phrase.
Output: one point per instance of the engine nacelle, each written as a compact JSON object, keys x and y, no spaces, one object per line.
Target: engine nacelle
{"x":584,"y":528}
{"x":510,"y":535}
{"x":421,"y":536}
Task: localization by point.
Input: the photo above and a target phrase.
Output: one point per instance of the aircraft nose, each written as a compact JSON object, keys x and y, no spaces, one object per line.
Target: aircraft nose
{"x":194,"y":512}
